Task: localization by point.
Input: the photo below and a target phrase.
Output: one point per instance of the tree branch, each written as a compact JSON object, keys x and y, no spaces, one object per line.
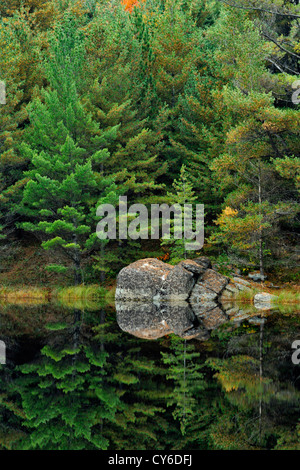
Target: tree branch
{"x":259,"y":9}
{"x":280,"y":68}
{"x":279,"y":45}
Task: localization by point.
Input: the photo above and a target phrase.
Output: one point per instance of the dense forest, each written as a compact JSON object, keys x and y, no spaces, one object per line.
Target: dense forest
{"x":161,"y":101}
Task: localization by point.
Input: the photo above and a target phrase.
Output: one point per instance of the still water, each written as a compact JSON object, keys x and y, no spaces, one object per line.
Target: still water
{"x":90,"y":377}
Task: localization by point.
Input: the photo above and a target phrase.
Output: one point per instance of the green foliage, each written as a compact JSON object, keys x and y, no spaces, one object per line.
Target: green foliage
{"x":182,"y":194}
{"x":104,"y":101}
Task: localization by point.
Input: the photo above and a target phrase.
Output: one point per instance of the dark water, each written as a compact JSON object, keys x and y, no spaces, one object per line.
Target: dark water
{"x":74,"y":379}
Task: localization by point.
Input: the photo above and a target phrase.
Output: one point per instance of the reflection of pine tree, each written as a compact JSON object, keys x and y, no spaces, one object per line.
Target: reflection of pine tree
{"x":254,"y":398}
{"x":10,"y":412}
{"x":185,"y":370}
{"x":65,"y":397}
{"x":139,"y":380}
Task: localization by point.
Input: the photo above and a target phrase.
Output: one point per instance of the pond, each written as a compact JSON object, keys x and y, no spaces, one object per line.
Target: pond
{"x":90,"y":377}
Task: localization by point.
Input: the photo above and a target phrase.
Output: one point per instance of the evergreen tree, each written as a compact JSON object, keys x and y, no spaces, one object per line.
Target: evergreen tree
{"x":20,"y":71}
{"x":65,"y":146}
{"x":263,"y":199}
{"x":121,"y":97}
{"x":258,"y":201}
{"x":183,"y":195}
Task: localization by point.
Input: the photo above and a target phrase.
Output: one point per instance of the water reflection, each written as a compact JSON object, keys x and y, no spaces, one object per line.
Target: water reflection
{"x":152,"y":321}
{"x":89,"y":378}
{"x":155,"y":320}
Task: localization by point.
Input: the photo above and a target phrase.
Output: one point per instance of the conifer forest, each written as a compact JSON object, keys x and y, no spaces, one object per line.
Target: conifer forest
{"x":159,"y":102}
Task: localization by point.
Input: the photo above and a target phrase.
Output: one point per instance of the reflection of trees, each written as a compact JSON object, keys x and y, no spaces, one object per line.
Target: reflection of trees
{"x":138,"y":378}
{"x":10,"y":412}
{"x":258,"y":407}
{"x":184,"y":369}
{"x":64,"y":395}
{"x":96,"y":387}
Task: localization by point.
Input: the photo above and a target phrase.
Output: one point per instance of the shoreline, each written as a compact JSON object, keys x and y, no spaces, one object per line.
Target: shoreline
{"x":10,"y":294}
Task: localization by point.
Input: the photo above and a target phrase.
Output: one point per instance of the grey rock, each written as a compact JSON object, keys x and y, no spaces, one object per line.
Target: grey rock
{"x":233,"y":311}
{"x":142,"y":280}
{"x":204,"y":308}
{"x":231,"y":288}
{"x":240,"y":316}
{"x":198,"y":333}
{"x":242,"y":287}
{"x":149,"y":321}
{"x":204,"y":262}
{"x":179,"y":317}
{"x":201,"y":294}
{"x":178,"y":284}
{"x":142,"y":320}
{"x":257,"y":320}
{"x":227,"y":306}
{"x":264,"y":301}
{"x":257,"y":277}
{"x":192,"y":266}
{"x":214,"y":281}
{"x":213,"y":319}
{"x":240,"y":280}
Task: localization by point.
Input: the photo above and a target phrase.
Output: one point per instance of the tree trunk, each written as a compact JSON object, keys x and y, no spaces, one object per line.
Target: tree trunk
{"x":261,"y":338}
{"x":102,"y":272}
{"x":77,"y":263}
{"x":77,"y":273}
{"x":261,"y":258}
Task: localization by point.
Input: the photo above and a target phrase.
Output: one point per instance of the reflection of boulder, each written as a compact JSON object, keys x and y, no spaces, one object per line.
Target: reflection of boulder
{"x":213,"y":318}
{"x":264,"y":300}
{"x":143,"y":320}
{"x":150,"y":321}
{"x":188,"y":295}
{"x":179,"y":317}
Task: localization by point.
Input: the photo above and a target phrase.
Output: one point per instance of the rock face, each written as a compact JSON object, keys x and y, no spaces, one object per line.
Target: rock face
{"x":257,"y":277}
{"x":152,"y":280}
{"x":155,"y":299}
{"x":236,"y":285}
{"x":177,"y":285}
{"x":142,"y":280}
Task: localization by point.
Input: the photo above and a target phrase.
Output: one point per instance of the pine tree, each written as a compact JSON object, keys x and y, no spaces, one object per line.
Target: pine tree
{"x":262,"y":199}
{"x":65,"y":147}
{"x":121,"y":97}
{"x":258,"y":200}
{"x":182,"y":195}
{"x":21,"y":73}
{"x":175,"y":46}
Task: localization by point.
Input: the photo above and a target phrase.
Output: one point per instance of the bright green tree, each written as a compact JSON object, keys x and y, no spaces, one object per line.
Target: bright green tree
{"x":67,"y":152}
{"x":183,"y":197}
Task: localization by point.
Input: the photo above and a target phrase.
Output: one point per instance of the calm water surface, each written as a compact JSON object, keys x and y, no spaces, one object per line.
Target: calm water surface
{"x":73,"y":378}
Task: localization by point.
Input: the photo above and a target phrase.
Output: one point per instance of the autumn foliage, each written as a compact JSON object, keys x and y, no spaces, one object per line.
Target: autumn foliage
{"x":130,"y":4}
